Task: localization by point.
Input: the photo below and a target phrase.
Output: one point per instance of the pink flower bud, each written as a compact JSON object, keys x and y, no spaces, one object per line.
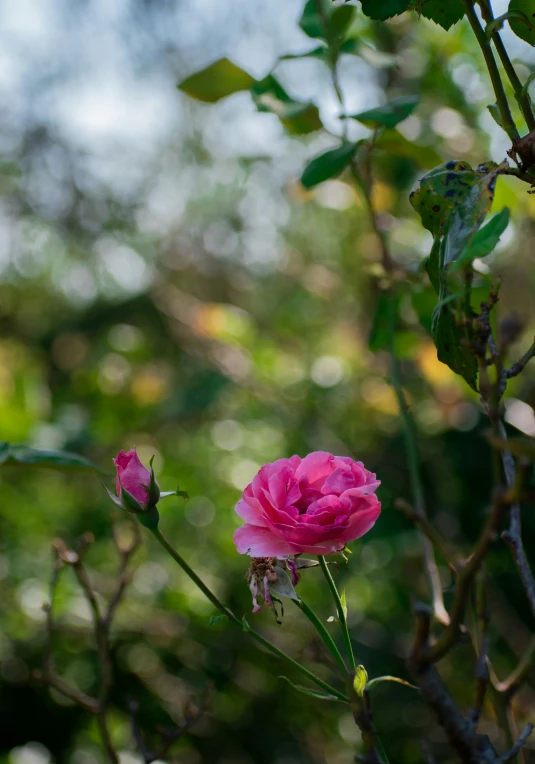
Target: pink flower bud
{"x":132,"y":476}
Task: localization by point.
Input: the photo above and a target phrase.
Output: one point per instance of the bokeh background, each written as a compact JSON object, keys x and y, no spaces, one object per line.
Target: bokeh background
{"x":165,"y":281}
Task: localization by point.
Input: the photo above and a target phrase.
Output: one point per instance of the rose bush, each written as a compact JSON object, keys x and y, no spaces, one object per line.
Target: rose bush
{"x":314,"y":505}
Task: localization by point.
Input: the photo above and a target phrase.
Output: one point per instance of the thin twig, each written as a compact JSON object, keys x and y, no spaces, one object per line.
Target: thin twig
{"x":528,"y":729}
{"x":482,"y":669}
{"x":467,"y":574}
{"x":520,"y":365}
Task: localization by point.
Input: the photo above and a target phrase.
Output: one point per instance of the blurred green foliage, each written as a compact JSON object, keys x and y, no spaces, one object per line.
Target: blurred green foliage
{"x":167,"y":282}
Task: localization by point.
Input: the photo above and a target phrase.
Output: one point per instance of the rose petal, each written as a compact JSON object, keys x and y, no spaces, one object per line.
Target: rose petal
{"x":316,"y":466}
{"x":260,"y":542}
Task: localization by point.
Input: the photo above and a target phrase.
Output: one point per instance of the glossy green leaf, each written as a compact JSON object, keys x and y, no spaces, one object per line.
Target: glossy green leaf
{"x":518,"y":25}
{"x":484,"y":241}
{"x":389,"y":115}
{"x":220,"y":79}
{"x":328,"y":165}
{"x":310,"y":692}
{"x":17,"y":455}
{"x":442,"y":12}
{"x":373,"y":682}
{"x":384,"y":9}
{"x":299,"y":118}
{"x":360,"y":680}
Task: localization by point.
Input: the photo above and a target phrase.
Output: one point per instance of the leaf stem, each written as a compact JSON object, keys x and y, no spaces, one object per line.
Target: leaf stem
{"x":486,"y":49}
{"x":158,"y":535}
{"x":340,"y":610}
{"x":521,"y":96}
{"x":323,"y":632}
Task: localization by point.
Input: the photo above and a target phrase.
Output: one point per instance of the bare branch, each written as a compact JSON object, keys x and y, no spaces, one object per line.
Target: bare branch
{"x":467,"y":574}
{"x":520,"y":365}
{"x":520,"y":743}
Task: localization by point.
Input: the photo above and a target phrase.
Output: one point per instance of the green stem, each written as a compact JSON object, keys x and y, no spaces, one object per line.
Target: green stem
{"x":340,"y":610}
{"x":486,"y":49}
{"x":413,"y":463}
{"x":522,"y":97}
{"x":323,"y":632}
{"x":158,"y":535}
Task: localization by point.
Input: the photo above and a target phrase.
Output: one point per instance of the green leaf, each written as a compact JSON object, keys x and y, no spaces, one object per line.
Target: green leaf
{"x":468,"y":216}
{"x":389,"y":115}
{"x":442,"y":190}
{"x":215,"y":619}
{"x":496,"y":115}
{"x":452,"y":342}
{"x":340,"y":20}
{"x":298,"y":117}
{"x":424,"y":303}
{"x":310,"y":692}
{"x":321,"y":52}
{"x":14,"y":454}
{"x":116,"y":500}
{"x":442,"y":12}
{"x":520,"y":28}
{"x":360,"y":680}
{"x":328,"y":165}
{"x":283,"y":586}
{"x":396,"y":679}
{"x":381,"y":332}
{"x":312,"y":22}
{"x":432,"y":265}
{"x":219,"y":80}
{"x":130,"y":503}
{"x":384,"y":9}
{"x":484,"y":241}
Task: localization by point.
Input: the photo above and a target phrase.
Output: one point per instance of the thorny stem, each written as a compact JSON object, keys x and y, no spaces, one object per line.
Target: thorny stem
{"x":340,"y":610}
{"x":522,"y":98}
{"x":486,"y":49}
{"x":158,"y":535}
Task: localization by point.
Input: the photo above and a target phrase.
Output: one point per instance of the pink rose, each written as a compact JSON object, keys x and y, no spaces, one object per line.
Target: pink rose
{"x":314,"y":505}
{"x":132,"y":475}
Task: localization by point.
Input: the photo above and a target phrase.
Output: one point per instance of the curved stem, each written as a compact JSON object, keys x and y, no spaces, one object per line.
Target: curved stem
{"x":323,"y":632}
{"x":523,"y":98}
{"x":340,"y":610}
{"x":486,"y":49}
{"x":158,"y":535}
